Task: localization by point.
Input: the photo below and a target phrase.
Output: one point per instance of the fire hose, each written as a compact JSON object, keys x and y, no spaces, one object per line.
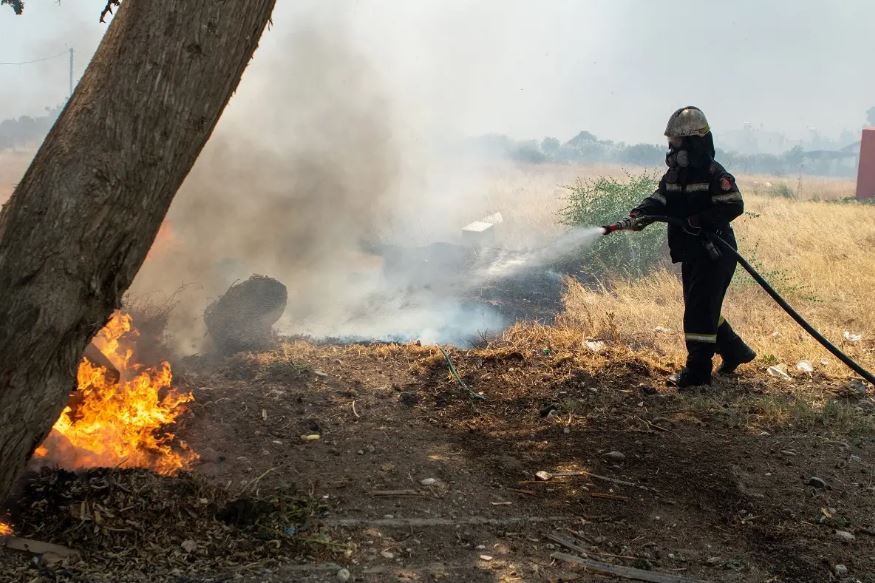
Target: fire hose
{"x":713,"y":243}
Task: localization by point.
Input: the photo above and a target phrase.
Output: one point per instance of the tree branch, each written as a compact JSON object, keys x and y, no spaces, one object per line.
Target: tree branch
{"x":17,"y":5}
{"x":108,"y":8}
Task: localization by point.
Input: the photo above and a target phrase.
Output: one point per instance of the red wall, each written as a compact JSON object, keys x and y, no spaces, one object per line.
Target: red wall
{"x":866,"y":175}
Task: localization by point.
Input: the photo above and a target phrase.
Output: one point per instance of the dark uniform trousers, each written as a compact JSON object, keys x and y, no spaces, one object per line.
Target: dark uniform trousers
{"x":705,"y":282}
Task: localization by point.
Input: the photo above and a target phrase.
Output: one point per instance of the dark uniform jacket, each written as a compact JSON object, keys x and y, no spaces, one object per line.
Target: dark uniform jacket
{"x":708,"y":195}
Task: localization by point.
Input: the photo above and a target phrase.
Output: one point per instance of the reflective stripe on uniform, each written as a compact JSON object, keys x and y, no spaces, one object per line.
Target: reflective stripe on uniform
{"x":728,"y":197}
{"x":707,"y":338}
{"x":658,"y":197}
{"x":699,"y":187}
{"x":695,"y":187}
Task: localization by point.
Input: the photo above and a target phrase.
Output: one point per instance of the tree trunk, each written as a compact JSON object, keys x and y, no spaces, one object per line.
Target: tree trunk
{"x":79,"y":224}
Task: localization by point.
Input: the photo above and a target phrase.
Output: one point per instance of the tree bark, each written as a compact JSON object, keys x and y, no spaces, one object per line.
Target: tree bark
{"x":81,"y":221}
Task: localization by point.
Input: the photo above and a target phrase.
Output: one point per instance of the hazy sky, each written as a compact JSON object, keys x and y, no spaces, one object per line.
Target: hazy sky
{"x":615,"y":67}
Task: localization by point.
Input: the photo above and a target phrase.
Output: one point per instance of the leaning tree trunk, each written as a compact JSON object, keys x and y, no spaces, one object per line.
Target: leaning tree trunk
{"x":79,"y":224}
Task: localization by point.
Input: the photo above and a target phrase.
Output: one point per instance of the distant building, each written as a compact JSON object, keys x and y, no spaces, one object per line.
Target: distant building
{"x":866,"y":169}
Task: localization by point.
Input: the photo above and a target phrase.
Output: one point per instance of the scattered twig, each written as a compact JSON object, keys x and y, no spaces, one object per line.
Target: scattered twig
{"x":624,"y":572}
{"x":653,"y":425}
{"x":567,"y":544}
{"x":622,"y":482}
{"x":543,"y":475}
{"x":521,"y":491}
{"x":607,"y":496}
{"x":462,"y":384}
{"x":396,"y":493}
{"x":575,"y":547}
{"x":402,"y":573}
{"x":254,"y":482}
{"x":354,"y":411}
{"x":421,"y":522}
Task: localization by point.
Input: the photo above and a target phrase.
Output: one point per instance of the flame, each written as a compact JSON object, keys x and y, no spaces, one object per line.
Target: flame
{"x":5,"y":529}
{"x":165,"y":241}
{"x":120,"y":424}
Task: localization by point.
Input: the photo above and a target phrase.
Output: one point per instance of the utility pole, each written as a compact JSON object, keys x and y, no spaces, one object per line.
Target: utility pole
{"x":71,"y":72}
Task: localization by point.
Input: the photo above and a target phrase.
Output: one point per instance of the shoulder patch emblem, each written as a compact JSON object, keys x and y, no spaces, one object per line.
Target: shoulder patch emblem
{"x":725,"y":184}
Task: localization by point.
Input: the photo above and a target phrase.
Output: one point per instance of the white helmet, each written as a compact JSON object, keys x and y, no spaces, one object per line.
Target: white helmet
{"x":687,"y":121}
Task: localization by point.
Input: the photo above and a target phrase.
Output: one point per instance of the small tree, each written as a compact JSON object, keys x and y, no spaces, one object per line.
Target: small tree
{"x":17,"y":5}
{"x":550,"y":146}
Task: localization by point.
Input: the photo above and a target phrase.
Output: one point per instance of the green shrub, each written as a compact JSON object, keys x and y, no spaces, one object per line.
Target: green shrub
{"x":602,"y":201}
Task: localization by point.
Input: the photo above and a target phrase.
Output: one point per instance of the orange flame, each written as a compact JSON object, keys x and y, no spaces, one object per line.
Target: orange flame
{"x":119,"y":424}
{"x":165,"y":241}
{"x":5,"y":529}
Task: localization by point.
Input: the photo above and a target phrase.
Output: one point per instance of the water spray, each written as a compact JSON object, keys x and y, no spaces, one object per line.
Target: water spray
{"x":714,"y":243}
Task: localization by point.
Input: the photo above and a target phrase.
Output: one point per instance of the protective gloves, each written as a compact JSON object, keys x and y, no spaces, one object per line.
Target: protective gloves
{"x":635,"y":222}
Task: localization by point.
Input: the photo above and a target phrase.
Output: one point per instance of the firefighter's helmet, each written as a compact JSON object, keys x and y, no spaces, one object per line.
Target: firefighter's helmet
{"x":687,"y":121}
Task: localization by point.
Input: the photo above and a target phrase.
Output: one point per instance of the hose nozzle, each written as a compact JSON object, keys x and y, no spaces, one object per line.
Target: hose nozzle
{"x":627,"y":224}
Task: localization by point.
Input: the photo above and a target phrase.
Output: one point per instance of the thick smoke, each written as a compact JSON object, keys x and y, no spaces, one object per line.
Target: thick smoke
{"x":316,"y":177}
{"x":305,"y":186}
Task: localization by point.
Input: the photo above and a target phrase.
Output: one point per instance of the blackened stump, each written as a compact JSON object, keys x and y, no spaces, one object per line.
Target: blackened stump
{"x":243,"y":318}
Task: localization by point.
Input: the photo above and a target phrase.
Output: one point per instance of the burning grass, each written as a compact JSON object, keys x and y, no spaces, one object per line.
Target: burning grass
{"x":120,"y":423}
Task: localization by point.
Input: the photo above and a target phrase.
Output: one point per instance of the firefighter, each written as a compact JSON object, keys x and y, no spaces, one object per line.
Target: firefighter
{"x":698,"y":190}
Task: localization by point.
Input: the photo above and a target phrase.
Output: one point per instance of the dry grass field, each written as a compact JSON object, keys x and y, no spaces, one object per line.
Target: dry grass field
{"x":815,"y":248}
{"x":817,"y":254}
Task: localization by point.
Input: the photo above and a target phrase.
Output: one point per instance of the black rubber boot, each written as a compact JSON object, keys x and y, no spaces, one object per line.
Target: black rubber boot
{"x":696,"y":373}
{"x":688,"y":378}
{"x":740,"y":355}
{"x":732,"y":349}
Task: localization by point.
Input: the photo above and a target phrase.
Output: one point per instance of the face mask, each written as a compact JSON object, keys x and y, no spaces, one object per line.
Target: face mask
{"x":699,"y":152}
{"x":677,"y":159}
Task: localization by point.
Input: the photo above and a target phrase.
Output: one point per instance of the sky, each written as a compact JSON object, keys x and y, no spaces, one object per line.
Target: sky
{"x":530,"y":69}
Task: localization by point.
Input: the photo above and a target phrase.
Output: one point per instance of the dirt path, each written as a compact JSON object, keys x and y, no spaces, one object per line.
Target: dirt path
{"x":424,"y":484}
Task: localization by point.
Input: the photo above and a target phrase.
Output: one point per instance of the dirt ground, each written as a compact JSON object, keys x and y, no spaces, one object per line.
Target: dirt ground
{"x":415,"y":480}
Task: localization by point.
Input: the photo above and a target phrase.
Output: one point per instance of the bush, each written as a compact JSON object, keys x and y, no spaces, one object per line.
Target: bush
{"x":603,"y":201}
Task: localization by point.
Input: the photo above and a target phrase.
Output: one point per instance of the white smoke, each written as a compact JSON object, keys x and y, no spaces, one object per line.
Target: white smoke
{"x":509,"y":264}
{"x":318,"y":177}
